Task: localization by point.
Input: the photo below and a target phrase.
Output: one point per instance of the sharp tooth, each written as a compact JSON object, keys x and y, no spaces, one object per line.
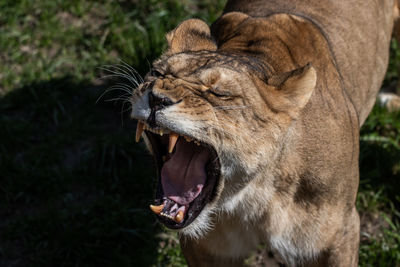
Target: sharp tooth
{"x":179,"y":217}
{"x":173,"y":137}
{"x":157,"y":209}
{"x":139,"y":130}
{"x":161,"y":132}
{"x":188,"y":139}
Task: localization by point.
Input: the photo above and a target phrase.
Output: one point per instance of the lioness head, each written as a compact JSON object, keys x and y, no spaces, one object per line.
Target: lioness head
{"x":212,"y":118}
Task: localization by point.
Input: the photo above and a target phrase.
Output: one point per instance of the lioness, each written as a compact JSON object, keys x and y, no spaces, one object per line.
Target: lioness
{"x":254,"y":127}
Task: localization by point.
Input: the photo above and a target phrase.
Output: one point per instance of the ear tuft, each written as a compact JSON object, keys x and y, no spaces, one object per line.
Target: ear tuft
{"x":190,"y":35}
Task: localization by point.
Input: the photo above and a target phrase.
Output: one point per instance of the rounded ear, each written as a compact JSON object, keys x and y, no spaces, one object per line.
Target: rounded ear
{"x":190,"y":35}
{"x":293,"y":89}
{"x":224,"y":27}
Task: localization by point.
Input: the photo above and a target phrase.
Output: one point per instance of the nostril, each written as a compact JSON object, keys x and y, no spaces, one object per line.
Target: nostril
{"x":157,"y":103}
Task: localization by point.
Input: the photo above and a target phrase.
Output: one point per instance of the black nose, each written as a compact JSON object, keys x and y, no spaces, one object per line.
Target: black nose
{"x":157,"y":103}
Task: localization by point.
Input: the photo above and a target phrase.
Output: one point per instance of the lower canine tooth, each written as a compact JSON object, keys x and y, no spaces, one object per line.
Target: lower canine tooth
{"x":157,"y":209}
{"x":179,"y":217}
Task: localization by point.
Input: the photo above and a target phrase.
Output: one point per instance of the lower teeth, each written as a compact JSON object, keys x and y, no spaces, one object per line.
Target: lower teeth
{"x":167,"y":216}
{"x":170,"y":207}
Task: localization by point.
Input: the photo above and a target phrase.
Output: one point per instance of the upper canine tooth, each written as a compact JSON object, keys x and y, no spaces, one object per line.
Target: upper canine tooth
{"x":173,"y":137}
{"x":157,"y":209}
{"x":161,"y":132}
{"x":139,"y":130}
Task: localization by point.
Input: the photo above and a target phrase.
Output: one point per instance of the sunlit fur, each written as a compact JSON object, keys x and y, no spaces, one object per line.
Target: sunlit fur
{"x":269,"y":92}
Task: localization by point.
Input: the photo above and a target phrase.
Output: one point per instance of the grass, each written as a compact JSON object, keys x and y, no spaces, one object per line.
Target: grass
{"x":378,"y":200}
{"x":74,"y":187}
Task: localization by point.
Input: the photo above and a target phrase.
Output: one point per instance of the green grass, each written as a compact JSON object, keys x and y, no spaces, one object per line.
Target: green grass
{"x":74,"y":187}
{"x":379,"y":200}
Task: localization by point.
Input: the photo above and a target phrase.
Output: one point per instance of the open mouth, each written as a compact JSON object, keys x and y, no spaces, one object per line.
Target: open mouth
{"x":188,"y":173}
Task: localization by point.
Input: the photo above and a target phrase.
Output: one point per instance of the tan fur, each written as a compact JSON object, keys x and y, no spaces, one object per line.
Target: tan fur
{"x":191,"y":35}
{"x":280,"y":95}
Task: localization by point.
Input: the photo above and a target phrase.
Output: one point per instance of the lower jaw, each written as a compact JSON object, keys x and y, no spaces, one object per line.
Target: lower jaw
{"x":195,"y":208}
{"x":202,"y":225}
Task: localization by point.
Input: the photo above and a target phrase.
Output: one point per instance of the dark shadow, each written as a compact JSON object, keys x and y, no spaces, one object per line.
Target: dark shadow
{"x":380,"y":155}
{"x":380,"y":169}
{"x":74,"y":187}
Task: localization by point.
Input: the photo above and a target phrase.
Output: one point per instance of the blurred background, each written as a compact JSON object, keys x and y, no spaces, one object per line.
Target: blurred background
{"x":74,"y":187}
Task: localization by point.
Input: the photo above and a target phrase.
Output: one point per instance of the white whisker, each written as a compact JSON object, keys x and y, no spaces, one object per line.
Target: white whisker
{"x":123,"y":87}
{"x":123,"y":70}
{"x":125,"y":99}
{"x":132,"y":70}
{"x":118,"y":87}
{"x":123,"y":111}
{"x":112,"y":88}
{"x":131,"y":79}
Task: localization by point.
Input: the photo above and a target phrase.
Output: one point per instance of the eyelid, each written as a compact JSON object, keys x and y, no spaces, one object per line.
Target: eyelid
{"x":156,"y":73}
{"x":218,"y":93}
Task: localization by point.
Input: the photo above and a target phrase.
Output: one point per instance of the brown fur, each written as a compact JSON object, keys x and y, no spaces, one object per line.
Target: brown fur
{"x":279,"y":89}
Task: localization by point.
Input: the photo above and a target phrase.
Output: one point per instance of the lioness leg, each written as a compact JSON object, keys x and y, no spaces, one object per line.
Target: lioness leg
{"x":198,"y":257}
{"x":344,"y":253}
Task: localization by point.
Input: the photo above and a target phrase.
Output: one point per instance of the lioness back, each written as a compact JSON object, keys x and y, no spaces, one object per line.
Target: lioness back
{"x":359,"y":43}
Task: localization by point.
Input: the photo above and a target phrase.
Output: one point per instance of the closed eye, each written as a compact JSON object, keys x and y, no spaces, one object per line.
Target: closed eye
{"x":155,"y":73}
{"x":219,"y":93}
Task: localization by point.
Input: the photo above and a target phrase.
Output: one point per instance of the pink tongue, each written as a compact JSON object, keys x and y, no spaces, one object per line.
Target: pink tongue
{"x":183,"y":175}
